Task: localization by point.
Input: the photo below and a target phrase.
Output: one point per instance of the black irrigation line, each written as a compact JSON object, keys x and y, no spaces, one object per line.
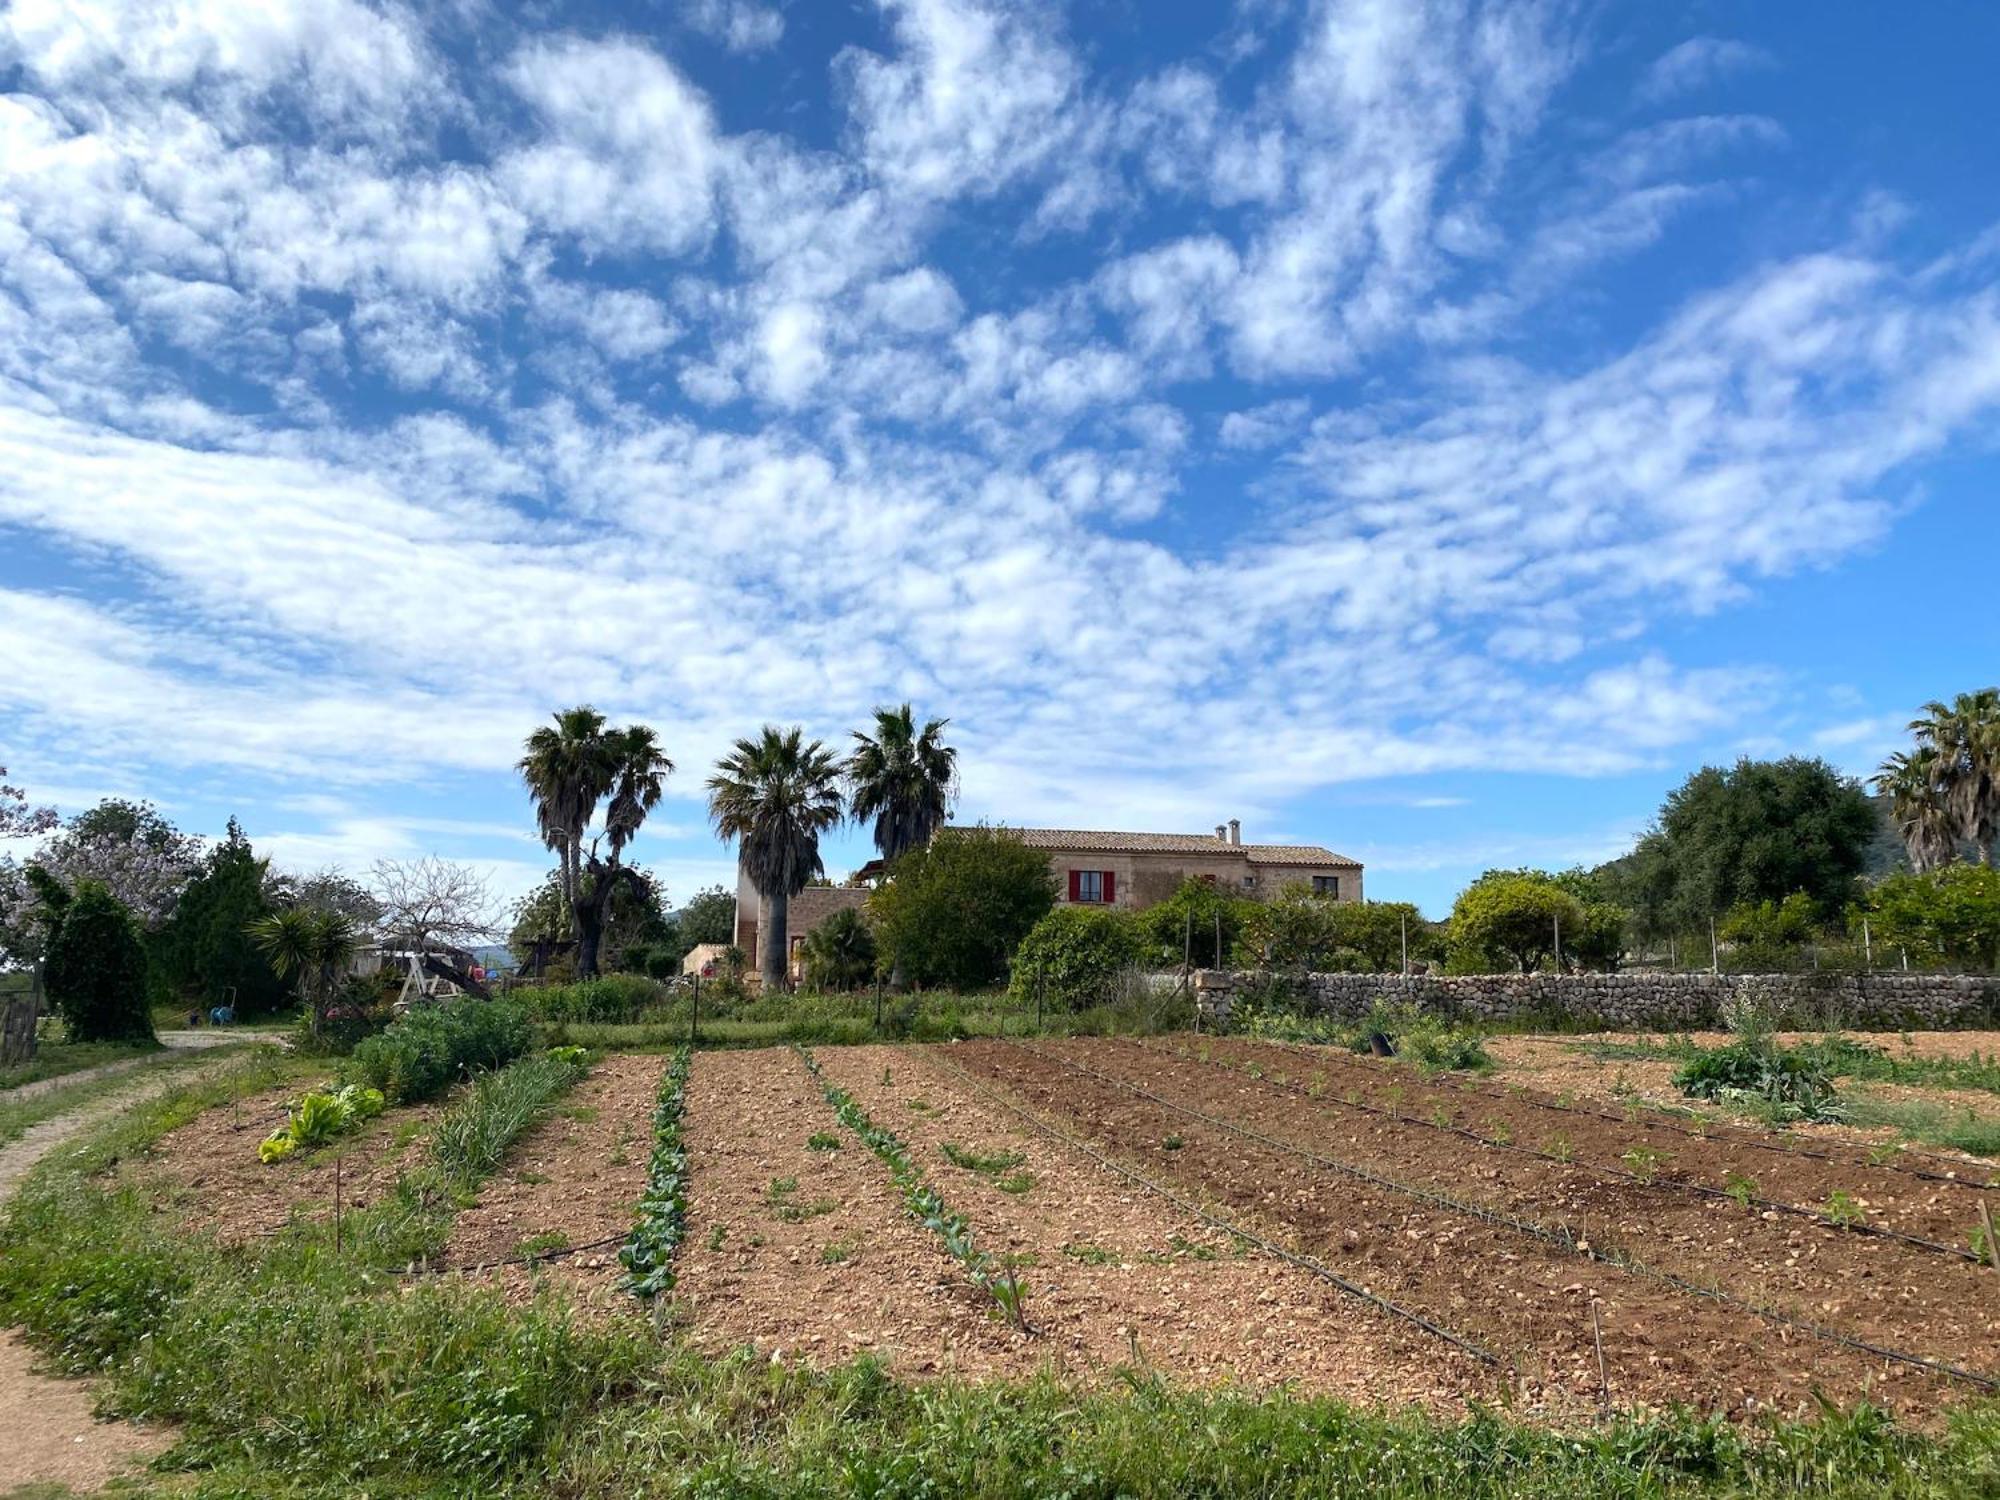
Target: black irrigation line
{"x":1663,"y":1122}
{"x":1304,"y":1262}
{"x":1696,"y":1189}
{"x":1560,"y":1240}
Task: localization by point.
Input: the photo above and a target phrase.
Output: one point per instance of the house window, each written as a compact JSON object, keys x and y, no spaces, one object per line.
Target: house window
{"x":1249,"y":882}
{"x":1326,"y":885}
{"x":1093,"y":887}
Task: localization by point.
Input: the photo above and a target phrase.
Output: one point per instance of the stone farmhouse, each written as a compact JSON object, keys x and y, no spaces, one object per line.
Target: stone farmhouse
{"x":1095,"y":867}
{"x":1134,"y":870}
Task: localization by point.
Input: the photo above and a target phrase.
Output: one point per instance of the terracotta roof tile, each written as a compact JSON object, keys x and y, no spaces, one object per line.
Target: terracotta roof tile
{"x":1106,"y":841}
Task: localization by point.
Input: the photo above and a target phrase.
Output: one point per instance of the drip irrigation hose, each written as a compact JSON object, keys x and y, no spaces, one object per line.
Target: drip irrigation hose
{"x":517,"y":1260}
{"x":1743,"y":1138}
{"x":1215,"y":1221}
{"x":1539,"y":1232}
{"x":1934,"y":1247}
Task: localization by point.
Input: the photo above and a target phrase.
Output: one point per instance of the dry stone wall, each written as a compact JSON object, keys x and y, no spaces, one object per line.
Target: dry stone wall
{"x":1622,"y":1002}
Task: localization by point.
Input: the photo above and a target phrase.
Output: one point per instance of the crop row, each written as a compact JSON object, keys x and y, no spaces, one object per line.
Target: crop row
{"x":648,"y":1254}
{"x":993,"y":1275}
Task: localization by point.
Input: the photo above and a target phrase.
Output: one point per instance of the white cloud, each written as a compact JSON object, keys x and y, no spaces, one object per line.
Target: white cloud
{"x":627,"y":156}
{"x":1698,"y":63}
{"x":739,"y":25}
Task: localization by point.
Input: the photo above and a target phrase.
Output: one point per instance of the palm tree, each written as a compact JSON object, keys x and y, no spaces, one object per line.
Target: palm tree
{"x":776,"y":795}
{"x":903,"y":778}
{"x":570,"y":768}
{"x":313,"y":946}
{"x":1911,"y":782}
{"x":1965,"y":735}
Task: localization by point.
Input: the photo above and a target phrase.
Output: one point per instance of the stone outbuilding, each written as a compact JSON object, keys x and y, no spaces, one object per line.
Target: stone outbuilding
{"x":1096,"y":867}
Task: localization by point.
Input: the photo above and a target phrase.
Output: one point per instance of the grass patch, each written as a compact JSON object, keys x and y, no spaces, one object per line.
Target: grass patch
{"x":546,"y":1243}
{"x":1928,"y":1123}
{"x":989,"y":1164}
{"x":822,"y":1140}
{"x":474,"y":1133}
{"x":782,"y":1201}
{"x":56,"y":1059}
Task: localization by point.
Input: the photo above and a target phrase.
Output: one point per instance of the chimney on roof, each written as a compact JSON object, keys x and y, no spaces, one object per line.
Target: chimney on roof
{"x":1235,"y":830}
{"x":1221,"y":833}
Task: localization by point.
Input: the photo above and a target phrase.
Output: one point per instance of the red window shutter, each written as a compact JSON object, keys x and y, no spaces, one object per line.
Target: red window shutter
{"x":1110,"y":887}
{"x":1075,"y":884}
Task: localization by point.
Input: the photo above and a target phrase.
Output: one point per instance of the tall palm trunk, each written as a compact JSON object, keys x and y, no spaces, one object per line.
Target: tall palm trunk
{"x":777,"y":908}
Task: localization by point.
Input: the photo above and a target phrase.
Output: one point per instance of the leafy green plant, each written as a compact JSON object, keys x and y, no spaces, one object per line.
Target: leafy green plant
{"x":1842,"y":1210}
{"x":1644,"y":1162}
{"x":433,"y":1046}
{"x":822,"y":1140}
{"x":660,"y":1221}
{"x":1561,"y":1148}
{"x":316,"y":1118}
{"x":1742,"y":1189}
{"x":1789,"y":1084}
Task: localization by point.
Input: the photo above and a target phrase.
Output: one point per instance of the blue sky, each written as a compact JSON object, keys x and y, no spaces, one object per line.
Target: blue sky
{"x":1429,"y":430}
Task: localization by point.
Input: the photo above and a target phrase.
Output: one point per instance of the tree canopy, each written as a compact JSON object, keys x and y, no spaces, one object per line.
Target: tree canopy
{"x":1511,"y":914}
{"x":1756,"y":831}
{"x":95,"y":968}
{"x":953,"y":911}
{"x":775,"y":795}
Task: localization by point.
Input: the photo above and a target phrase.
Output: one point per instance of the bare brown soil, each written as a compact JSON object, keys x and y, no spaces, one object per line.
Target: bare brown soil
{"x":1562,"y":1066}
{"x":1878,"y":1290}
{"x":806,"y":1254}
{"x":1918,"y":1196}
{"x":1114,"y":1271}
{"x":1527,"y":1300}
{"x":569,"y":1182}
{"x":210,"y":1167}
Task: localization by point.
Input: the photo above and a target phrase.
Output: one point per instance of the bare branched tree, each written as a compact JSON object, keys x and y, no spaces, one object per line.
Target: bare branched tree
{"x":435,"y":909}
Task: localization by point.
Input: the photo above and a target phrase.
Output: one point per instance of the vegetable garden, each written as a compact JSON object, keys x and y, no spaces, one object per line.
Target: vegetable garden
{"x":1184,"y":1212}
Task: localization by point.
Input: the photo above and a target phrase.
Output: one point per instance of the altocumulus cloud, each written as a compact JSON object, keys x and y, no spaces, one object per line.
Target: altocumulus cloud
{"x":372,"y":366}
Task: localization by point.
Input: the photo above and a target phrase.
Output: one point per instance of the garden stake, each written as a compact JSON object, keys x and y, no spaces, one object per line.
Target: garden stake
{"x":1992,"y":1245}
{"x":1597,"y":1334}
{"x":878,"y":1004}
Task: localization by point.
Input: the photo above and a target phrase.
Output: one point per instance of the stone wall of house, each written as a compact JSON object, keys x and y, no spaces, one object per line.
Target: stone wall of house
{"x":1638,"y":1002}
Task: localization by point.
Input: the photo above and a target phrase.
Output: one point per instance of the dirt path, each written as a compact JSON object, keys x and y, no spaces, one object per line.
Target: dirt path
{"x":174,"y":1041}
{"x":65,"y":1444}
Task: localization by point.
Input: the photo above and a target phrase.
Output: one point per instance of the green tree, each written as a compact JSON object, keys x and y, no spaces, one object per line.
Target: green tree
{"x":953,"y":911}
{"x":1188,"y":920}
{"x":95,"y":968}
{"x":1294,"y":929}
{"x":1946,"y":792}
{"x":570,"y":768}
{"x":1377,"y":931}
{"x":1074,"y":955}
{"x":1770,"y":935}
{"x":207,"y":946}
{"x":708,"y":917}
{"x":1598,"y":940}
{"x":775,"y":795}
{"x":1512,"y":914}
{"x":903,"y":779}
{"x":1758,"y":831}
{"x":313,"y":948}
{"x":634,"y":919}
{"x":1949,"y":916}
{"x":840,"y":952}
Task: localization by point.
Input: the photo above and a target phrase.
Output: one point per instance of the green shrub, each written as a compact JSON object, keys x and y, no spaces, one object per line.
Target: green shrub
{"x":615,"y":999}
{"x":1075,"y":955}
{"x":96,"y":969}
{"x":840,"y":952}
{"x":1790,"y":1084}
{"x":429,"y":1049}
